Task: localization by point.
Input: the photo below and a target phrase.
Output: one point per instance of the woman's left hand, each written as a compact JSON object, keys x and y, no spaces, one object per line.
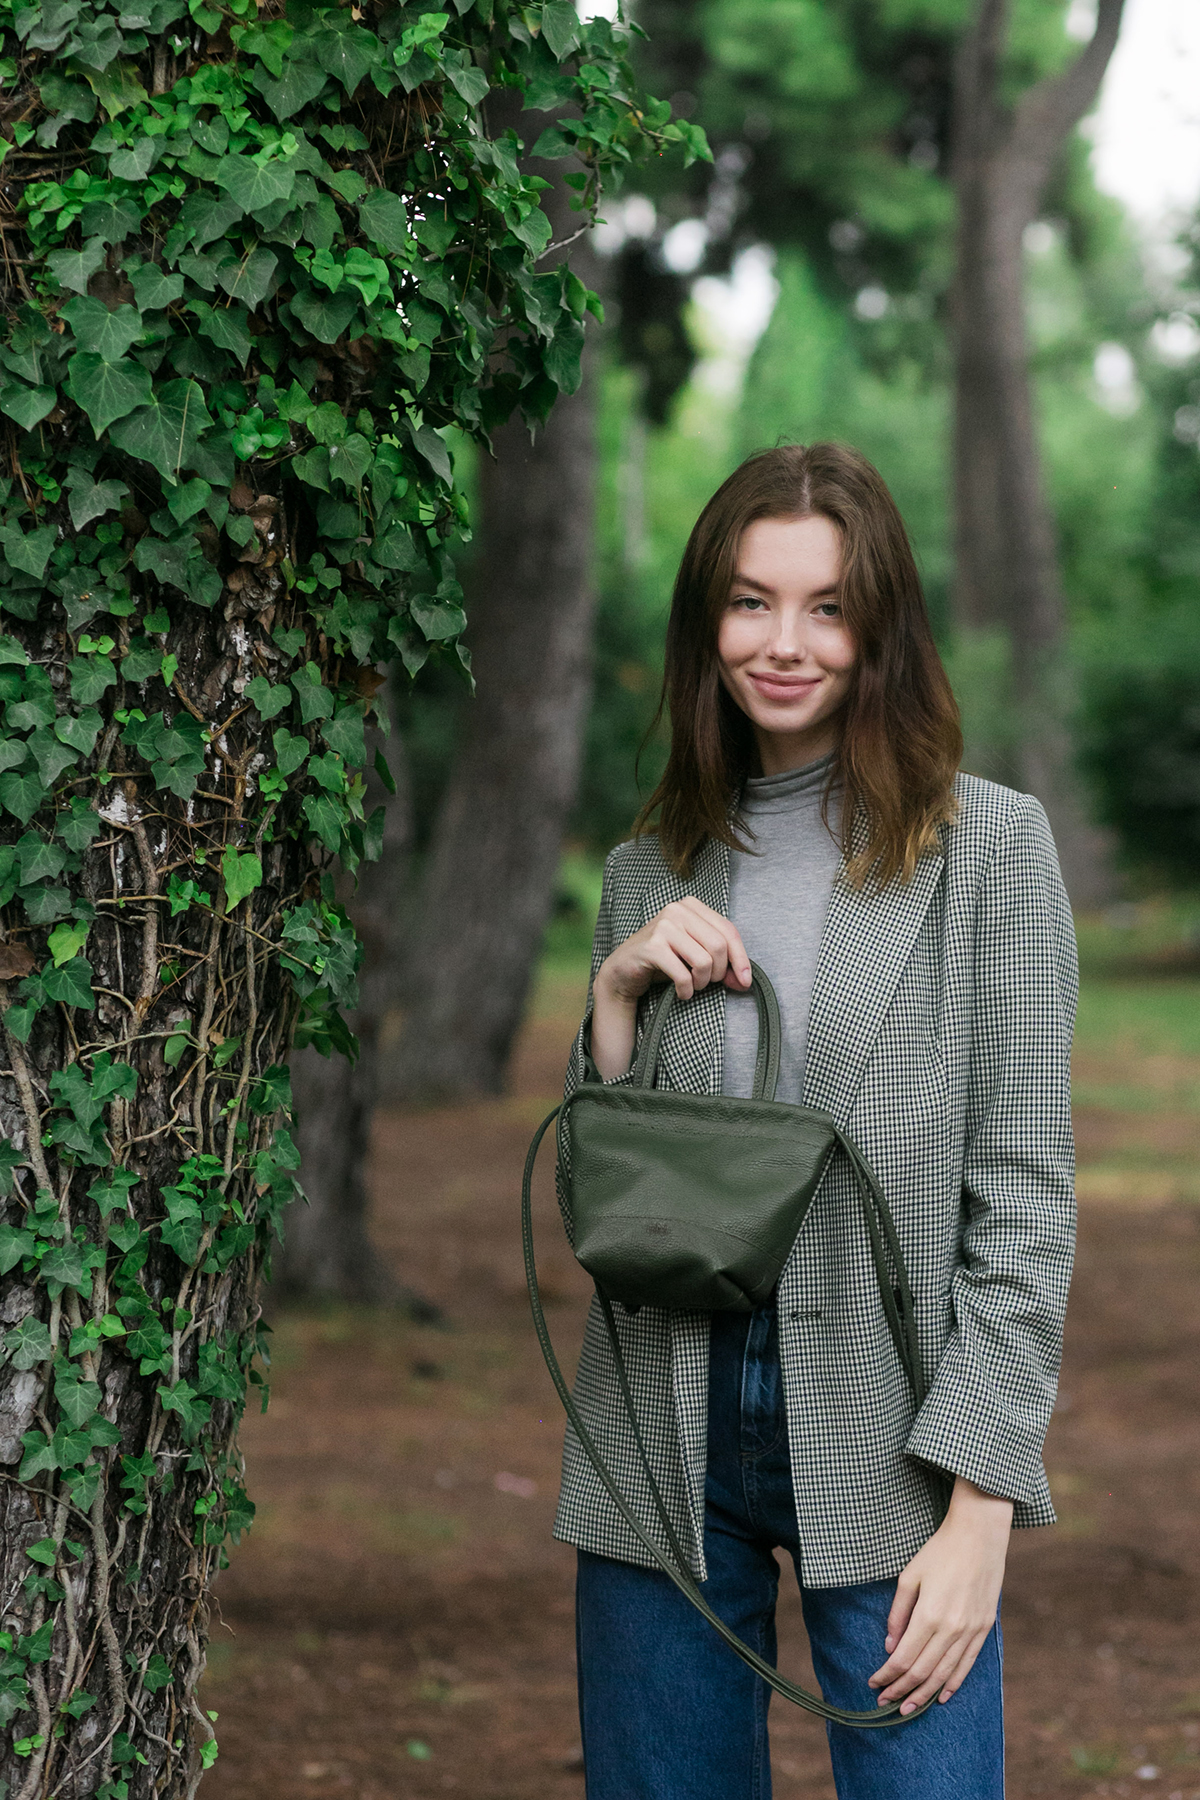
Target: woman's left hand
{"x":946,"y":1601}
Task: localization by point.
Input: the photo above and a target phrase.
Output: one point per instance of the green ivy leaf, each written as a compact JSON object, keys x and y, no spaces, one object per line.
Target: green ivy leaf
{"x":117,"y":88}
{"x":64,"y":1267}
{"x":163,"y":432}
{"x":90,"y":499}
{"x":90,"y":677}
{"x":11,"y":1159}
{"x":347,"y":54}
{"x":560,"y":27}
{"x":73,"y":269}
{"x":28,"y":551}
{"x":249,"y":278}
{"x":79,"y":1399}
{"x":114,"y":1191}
{"x":15,"y":1243}
{"x":325,"y":817}
{"x":78,"y":826}
{"x":107,"y":334}
{"x":384,"y":219}
{"x":65,"y":940}
{"x":227,"y":327}
{"x":107,"y":391}
{"x":154,"y":287}
{"x":241,"y":872}
{"x":112,"y":219}
{"x":437,"y":619}
{"x":384,"y":773}
{"x":157,"y":1674}
{"x":428,"y":444}
{"x":21,"y":795}
{"x":299,"y":83}
{"x":324,"y":316}
{"x":316,"y":702}
{"x":269,"y":699}
{"x":27,"y":1345}
{"x":312,"y":467}
{"x":468,"y":80}
{"x":351,"y":461}
{"x":51,"y":755}
{"x":80,"y":730}
{"x":72,"y":984}
{"x":136,"y":162}
{"x":39,"y":1455}
{"x":27,"y":406}
{"x":255,"y":186}
{"x":169,"y":562}
{"x":344,"y":734}
{"x":290,"y":751}
{"x":183,"y":505}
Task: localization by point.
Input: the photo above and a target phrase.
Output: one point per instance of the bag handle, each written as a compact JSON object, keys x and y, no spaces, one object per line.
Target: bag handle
{"x":766,"y":1062}
{"x":676,"y":1566}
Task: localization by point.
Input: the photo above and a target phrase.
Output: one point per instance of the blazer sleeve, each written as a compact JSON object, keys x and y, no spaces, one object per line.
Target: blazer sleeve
{"x":989,"y":1407}
{"x":580,"y":1066}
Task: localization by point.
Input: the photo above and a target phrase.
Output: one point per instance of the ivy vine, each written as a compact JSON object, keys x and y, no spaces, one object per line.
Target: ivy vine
{"x":257,"y":259}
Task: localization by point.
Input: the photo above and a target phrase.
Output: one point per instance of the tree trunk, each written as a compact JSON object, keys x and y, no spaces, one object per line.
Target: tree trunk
{"x":326,"y":1250}
{"x":1007,"y":575}
{"x":494,"y":858}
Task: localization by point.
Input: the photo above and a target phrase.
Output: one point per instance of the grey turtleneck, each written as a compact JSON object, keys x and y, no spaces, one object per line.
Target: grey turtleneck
{"x":779,"y":894}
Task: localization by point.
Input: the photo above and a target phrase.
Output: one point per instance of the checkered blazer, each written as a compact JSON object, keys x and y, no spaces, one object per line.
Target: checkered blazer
{"x":939,"y":1037}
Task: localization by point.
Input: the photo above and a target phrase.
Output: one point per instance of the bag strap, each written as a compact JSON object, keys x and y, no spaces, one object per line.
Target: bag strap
{"x":770,"y":1036}
{"x":676,"y":1566}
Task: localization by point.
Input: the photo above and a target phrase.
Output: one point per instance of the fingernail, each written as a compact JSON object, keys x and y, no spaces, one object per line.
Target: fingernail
{"x":910,"y":1706}
{"x":889,"y":1644}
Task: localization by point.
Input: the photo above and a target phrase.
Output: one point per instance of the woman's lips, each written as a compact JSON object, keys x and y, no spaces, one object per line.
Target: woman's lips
{"x":784,"y":687}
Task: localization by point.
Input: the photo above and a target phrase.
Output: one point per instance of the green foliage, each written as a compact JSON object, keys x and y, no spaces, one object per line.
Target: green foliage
{"x":264,"y":263}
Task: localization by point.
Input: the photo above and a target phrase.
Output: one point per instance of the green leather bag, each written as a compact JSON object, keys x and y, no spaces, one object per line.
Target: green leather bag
{"x":693,"y":1202}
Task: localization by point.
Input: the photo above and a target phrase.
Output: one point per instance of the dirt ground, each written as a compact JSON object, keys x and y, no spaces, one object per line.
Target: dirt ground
{"x":398,"y":1625}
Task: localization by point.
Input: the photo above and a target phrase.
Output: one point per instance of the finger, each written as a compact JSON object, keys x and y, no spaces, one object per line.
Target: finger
{"x":665,"y":962}
{"x":903,"y":1658}
{"x":701,"y":948}
{"x":929,"y":1688}
{"x":965,"y":1664}
{"x":926,"y":1674}
{"x":738,"y":960}
{"x":905,"y":1598}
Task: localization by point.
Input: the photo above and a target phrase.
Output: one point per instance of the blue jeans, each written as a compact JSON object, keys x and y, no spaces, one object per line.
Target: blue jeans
{"x":670,"y":1713}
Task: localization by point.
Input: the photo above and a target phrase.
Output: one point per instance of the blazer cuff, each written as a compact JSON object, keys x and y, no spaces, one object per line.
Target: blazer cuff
{"x":965,"y":1432}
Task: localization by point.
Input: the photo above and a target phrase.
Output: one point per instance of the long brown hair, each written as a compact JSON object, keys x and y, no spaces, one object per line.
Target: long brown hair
{"x":900,"y":742}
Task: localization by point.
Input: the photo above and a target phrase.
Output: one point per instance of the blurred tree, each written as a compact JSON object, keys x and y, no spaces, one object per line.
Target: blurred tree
{"x":326,"y":1251}
{"x":488,"y":881}
{"x":1007,"y":573}
{"x":848,"y":131}
{"x":1142,"y":668}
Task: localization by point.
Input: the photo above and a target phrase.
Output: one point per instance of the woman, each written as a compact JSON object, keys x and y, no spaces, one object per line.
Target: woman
{"x":914,"y":925}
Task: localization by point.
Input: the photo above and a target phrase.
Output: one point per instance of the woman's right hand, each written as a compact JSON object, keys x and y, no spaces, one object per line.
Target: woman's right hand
{"x":687,"y":943}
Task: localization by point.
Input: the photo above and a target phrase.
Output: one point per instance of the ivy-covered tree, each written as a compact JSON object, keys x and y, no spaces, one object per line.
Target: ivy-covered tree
{"x":255,"y":260}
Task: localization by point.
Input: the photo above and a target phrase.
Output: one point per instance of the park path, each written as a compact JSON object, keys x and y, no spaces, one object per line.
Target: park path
{"x":398,"y":1625}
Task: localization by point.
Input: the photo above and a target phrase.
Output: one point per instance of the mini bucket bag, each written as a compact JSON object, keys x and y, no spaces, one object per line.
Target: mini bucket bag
{"x":693,"y":1202}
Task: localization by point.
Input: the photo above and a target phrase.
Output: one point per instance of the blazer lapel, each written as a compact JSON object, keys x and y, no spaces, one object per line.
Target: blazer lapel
{"x":867,"y":941}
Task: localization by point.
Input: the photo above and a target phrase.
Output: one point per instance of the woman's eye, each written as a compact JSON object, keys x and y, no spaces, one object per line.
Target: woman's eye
{"x":747,"y":600}
{"x":829,"y":609}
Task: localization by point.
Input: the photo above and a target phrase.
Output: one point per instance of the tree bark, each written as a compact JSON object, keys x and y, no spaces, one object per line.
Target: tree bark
{"x":494,"y":858}
{"x":1007,"y":574}
{"x":326,"y":1250}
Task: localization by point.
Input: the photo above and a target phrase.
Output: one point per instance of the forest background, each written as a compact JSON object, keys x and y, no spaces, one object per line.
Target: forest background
{"x":831,"y":126}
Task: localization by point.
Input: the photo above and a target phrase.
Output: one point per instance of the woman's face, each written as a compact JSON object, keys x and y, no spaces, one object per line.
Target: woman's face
{"x":785,"y":655}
